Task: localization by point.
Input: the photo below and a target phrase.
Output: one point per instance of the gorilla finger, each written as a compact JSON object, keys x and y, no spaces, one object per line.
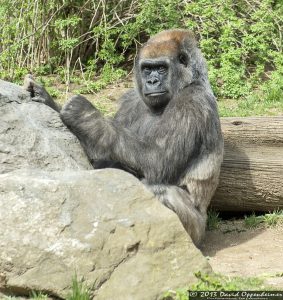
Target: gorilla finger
{"x":29,"y":84}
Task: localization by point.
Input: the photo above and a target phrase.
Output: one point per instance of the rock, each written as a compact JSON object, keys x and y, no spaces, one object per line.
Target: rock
{"x":103,"y":225}
{"x":32,"y":135}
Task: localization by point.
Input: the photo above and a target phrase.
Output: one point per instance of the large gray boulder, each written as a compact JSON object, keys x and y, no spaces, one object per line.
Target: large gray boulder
{"x":32,"y":135}
{"x":103,"y":225}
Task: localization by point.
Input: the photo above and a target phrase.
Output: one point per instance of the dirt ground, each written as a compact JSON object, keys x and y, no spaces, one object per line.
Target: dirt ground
{"x":234,"y":250}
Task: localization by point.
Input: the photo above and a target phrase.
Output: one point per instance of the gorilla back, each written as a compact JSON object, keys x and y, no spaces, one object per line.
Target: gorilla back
{"x":167,"y":130}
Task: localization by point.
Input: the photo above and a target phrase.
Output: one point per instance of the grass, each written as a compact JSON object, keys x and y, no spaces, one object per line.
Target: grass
{"x":213,"y":220}
{"x":273,"y":219}
{"x":268,"y":220}
{"x":33,"y":295}
{"x":38,"y":296}
{"x":251,"y":221}
{"x":79,"y":290}
{"x":251,"y":106}
{"x":218,"y":282}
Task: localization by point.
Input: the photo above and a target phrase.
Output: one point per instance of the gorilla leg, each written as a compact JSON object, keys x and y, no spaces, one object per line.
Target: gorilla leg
{"x":38,"y":93}
{"x":179,"y":201}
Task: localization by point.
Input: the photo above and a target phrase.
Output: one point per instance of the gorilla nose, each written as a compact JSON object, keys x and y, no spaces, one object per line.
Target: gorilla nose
{"x":152,"y":81}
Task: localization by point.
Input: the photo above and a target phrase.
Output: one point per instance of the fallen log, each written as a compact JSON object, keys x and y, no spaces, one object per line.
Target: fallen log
{"x":252,"y":171}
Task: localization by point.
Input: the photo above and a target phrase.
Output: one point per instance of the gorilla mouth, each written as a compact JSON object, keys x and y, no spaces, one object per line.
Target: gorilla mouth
{"x":156,"y":94}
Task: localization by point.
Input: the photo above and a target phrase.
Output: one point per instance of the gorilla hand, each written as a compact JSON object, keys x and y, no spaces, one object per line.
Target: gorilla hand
{"x":38,"y":93}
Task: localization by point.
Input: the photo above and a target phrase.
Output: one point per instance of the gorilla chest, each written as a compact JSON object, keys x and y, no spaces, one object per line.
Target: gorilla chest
{"x":145,"y":125}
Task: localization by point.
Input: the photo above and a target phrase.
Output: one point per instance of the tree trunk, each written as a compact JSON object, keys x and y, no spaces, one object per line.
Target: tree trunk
{"x":252,"y":171}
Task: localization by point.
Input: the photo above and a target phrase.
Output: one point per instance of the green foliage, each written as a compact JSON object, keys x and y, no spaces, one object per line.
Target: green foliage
{"x":217,"y":282}
{"x":270,"y":220}
{"x":213,"y":220}
{"x":38,"y":296}
{"x":33,"y":296}
{"x":273,"y":219}
{"x":251,"y":105}
{"x":253,"y":221}
{"x":79,"y":291}
{"x":242,"y":41}
{"x":54,"y":93}
{"x":108,"y":75}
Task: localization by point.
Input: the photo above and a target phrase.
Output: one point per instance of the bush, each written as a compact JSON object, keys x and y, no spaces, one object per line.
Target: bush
{"x":242,"y":40}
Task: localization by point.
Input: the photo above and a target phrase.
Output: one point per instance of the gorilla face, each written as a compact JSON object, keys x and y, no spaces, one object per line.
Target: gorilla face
{"x":155,"y":82}
{"x":163,"y":77}
{"x":165,"y":66}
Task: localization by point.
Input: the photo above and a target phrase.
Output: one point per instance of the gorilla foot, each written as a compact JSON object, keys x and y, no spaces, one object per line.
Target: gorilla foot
{"x":38,"y":93}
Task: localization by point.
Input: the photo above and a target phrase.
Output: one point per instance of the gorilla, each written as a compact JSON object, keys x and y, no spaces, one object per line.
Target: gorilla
{"x":166,"y":131}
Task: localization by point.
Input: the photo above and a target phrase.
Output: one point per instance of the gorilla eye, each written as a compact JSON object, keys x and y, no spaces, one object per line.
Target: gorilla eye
{"x":183,"y":58}
{"x":162,"y":70}
{"x":147,"y":70}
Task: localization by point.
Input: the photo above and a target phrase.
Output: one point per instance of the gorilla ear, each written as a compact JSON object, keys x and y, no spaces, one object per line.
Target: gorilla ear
{"x":183,"y":58}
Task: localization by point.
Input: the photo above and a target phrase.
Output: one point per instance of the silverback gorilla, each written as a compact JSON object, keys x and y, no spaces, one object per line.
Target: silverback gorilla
{"x":166,"y":132}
